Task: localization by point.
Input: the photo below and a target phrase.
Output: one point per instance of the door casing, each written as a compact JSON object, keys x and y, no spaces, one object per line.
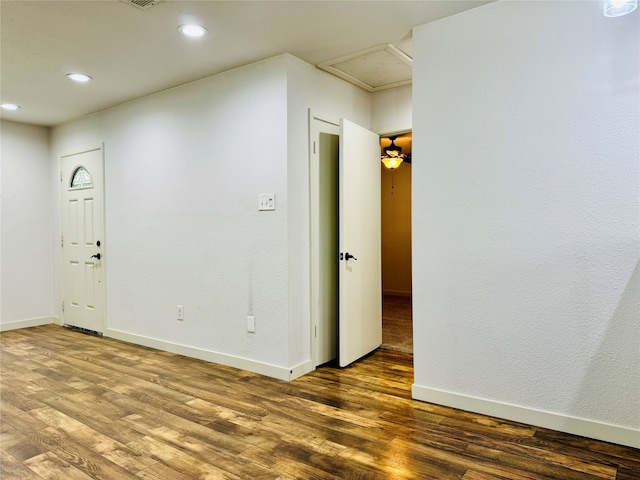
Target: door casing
{"x":67,"y":164}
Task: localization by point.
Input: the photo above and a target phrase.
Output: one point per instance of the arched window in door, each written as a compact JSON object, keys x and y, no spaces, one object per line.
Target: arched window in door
{"x":81,"y":178}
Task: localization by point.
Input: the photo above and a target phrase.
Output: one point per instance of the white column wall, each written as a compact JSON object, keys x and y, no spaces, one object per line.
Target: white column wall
{"x":26,"y":228}
{"x":526,"y":207}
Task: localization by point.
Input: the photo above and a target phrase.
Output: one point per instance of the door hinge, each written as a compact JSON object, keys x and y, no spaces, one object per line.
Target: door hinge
{"x":60,"y":175}
{"x":63,"y":306}
{"x":62,"y":241}
{"x":316,"y":331}
{"x":314,"y":151}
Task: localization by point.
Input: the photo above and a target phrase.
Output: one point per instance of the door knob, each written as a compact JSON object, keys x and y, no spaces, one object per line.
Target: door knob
{"x":348,"y":256}
{"x":97,"y":255}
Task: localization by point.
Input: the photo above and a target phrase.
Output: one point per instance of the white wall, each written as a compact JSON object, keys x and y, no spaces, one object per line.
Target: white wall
{"x":391,"y":110}
{"x":26,"y":238}
{"x":526,"y":215}
{"x":183,"y":171}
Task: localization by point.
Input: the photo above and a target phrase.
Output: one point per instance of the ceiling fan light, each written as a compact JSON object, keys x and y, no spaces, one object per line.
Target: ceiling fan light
{"x":392,"y":150}
{"x":392,"y":153}
{"x":392,"y":162}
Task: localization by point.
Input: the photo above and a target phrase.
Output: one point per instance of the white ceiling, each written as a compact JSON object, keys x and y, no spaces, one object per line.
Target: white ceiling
{"x":131,"y":52}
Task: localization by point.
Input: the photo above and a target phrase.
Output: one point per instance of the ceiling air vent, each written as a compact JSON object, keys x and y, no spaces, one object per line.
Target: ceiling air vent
{"x":142,"y":4}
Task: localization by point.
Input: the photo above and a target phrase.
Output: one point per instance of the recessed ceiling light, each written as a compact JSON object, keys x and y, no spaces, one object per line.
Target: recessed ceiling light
{"x":9,"y":106}
{"x":191,"y":30}
{"x":617,"y":8}
{"x":79,"y":77}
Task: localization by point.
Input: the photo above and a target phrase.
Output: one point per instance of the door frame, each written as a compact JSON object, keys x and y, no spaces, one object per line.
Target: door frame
{"x":318,"y":123}
{"x":61,"y":190}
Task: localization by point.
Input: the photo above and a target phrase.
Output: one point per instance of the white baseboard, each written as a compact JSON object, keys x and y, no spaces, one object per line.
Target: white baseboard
{"x":554,"y":421}
{"x":32,"y":322}
{"x":281,"y":373}
{"x":300,"y":370}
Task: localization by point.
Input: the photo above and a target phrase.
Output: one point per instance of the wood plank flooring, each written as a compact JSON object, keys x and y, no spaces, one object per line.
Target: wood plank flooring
{"x":80,"y":407}
{"x":397,"y":324}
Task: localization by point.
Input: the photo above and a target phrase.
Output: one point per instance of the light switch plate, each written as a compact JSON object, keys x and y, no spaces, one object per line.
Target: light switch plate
{"x":266,"y":201}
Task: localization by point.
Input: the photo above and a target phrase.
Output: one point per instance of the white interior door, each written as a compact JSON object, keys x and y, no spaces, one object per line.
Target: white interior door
{"x":82,"y":225}
{"x":360,"y":284}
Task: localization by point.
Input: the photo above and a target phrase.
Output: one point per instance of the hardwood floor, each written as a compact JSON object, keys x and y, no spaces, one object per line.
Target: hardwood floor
{"x":79,"y":407}
{"x":397,"y":324}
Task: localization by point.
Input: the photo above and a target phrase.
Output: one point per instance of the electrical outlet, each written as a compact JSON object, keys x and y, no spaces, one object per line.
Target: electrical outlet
{"x":251,"y":324}
{"x":180,"y":312}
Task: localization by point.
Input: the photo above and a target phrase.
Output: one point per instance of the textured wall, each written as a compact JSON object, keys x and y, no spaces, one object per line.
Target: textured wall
{"x":391,"y":110}
{"x":526,"y":208}
{"x":27,"y":223}
{"x":183,"y":171}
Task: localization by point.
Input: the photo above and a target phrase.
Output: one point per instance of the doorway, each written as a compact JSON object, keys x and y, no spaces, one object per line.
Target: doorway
{"x":397,"y":325}
{"x":345,"y":262}
{"x":395,"y":200}
{"x":82,"y":240}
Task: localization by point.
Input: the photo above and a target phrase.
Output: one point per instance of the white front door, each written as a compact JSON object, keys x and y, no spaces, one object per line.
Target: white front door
{"x":360,"y":283}
{"x":83,"y":248}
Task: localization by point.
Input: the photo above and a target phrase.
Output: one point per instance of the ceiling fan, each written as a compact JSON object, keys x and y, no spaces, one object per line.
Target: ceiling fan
{"x":393,"y":156}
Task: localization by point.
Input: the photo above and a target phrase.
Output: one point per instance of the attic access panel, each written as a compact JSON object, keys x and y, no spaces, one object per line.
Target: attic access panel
{"x":375,"y":69}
